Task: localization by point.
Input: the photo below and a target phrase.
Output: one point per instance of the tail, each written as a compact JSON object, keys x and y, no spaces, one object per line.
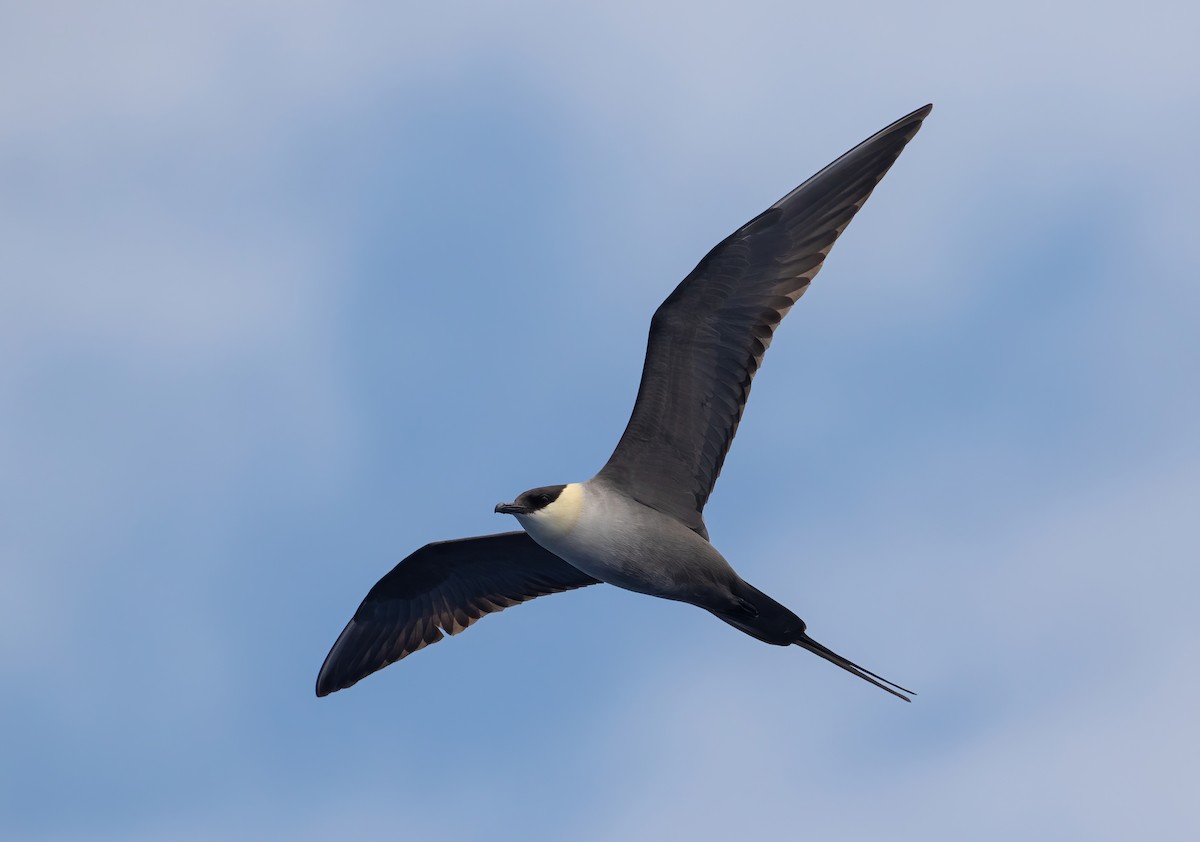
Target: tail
{"x":849,"y":666}
{"x":762,"y":617}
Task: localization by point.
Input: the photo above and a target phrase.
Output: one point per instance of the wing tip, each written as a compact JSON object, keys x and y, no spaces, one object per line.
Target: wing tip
{"x":326,"y":683}
{"x":912,"y":120}
{"x":333,"y":676}
{"x":915,"y":116}
{"x":330,"y":680}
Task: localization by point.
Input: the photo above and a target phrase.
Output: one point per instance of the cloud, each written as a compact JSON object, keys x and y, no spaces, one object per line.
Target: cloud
{"x":286,"y":291}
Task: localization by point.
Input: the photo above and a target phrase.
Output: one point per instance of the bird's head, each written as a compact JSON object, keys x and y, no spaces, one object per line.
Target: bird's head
{"x":548,"y":510}
{"x":532,"y":501}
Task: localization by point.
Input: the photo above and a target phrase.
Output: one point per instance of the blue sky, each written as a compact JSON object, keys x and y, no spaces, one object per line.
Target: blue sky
{"x":288,"y":290}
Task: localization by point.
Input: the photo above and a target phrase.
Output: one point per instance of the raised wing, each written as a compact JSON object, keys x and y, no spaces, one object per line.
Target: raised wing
{"x":442,"y":588}
{"x":708,"y":338}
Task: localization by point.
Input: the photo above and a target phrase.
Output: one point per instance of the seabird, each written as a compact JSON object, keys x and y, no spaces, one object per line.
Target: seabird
{"x":638,"y":524}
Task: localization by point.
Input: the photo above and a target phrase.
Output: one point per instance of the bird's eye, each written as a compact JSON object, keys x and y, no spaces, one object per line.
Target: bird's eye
{"x":542,"y":500}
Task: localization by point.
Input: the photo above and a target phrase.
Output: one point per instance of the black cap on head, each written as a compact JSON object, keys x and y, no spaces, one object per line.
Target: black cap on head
{"x":540,"y":498}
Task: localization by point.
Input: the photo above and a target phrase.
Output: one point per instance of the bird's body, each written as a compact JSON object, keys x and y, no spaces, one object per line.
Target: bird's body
{"x":638,"y":524}
{"x":617,"y":540}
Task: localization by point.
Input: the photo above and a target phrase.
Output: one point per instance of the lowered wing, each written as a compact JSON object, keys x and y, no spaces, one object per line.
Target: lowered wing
{"x":441,"y":589}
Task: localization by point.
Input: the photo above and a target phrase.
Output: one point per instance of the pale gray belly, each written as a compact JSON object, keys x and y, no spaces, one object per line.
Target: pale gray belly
{"x":647,"y":555}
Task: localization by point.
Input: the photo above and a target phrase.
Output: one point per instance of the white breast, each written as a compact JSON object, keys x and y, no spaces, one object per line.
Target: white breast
{"x":615,"y":539}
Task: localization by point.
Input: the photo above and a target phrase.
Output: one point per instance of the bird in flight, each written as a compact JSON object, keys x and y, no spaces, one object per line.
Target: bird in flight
{"x":638,"y":524}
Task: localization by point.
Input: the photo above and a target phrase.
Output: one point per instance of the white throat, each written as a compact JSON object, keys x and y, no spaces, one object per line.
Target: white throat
{"x":558,"y":518}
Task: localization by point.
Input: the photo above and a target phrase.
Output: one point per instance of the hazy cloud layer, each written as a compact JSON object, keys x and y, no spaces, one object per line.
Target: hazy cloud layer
{"x":288,"y":290}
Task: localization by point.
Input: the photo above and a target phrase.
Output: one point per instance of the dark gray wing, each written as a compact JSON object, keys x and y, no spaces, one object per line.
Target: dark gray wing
{"x":708,"y":338}
{"x":442,"y":587}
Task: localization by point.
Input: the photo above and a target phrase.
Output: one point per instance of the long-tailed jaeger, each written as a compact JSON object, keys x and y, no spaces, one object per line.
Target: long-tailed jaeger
{"x":638,"y":524}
